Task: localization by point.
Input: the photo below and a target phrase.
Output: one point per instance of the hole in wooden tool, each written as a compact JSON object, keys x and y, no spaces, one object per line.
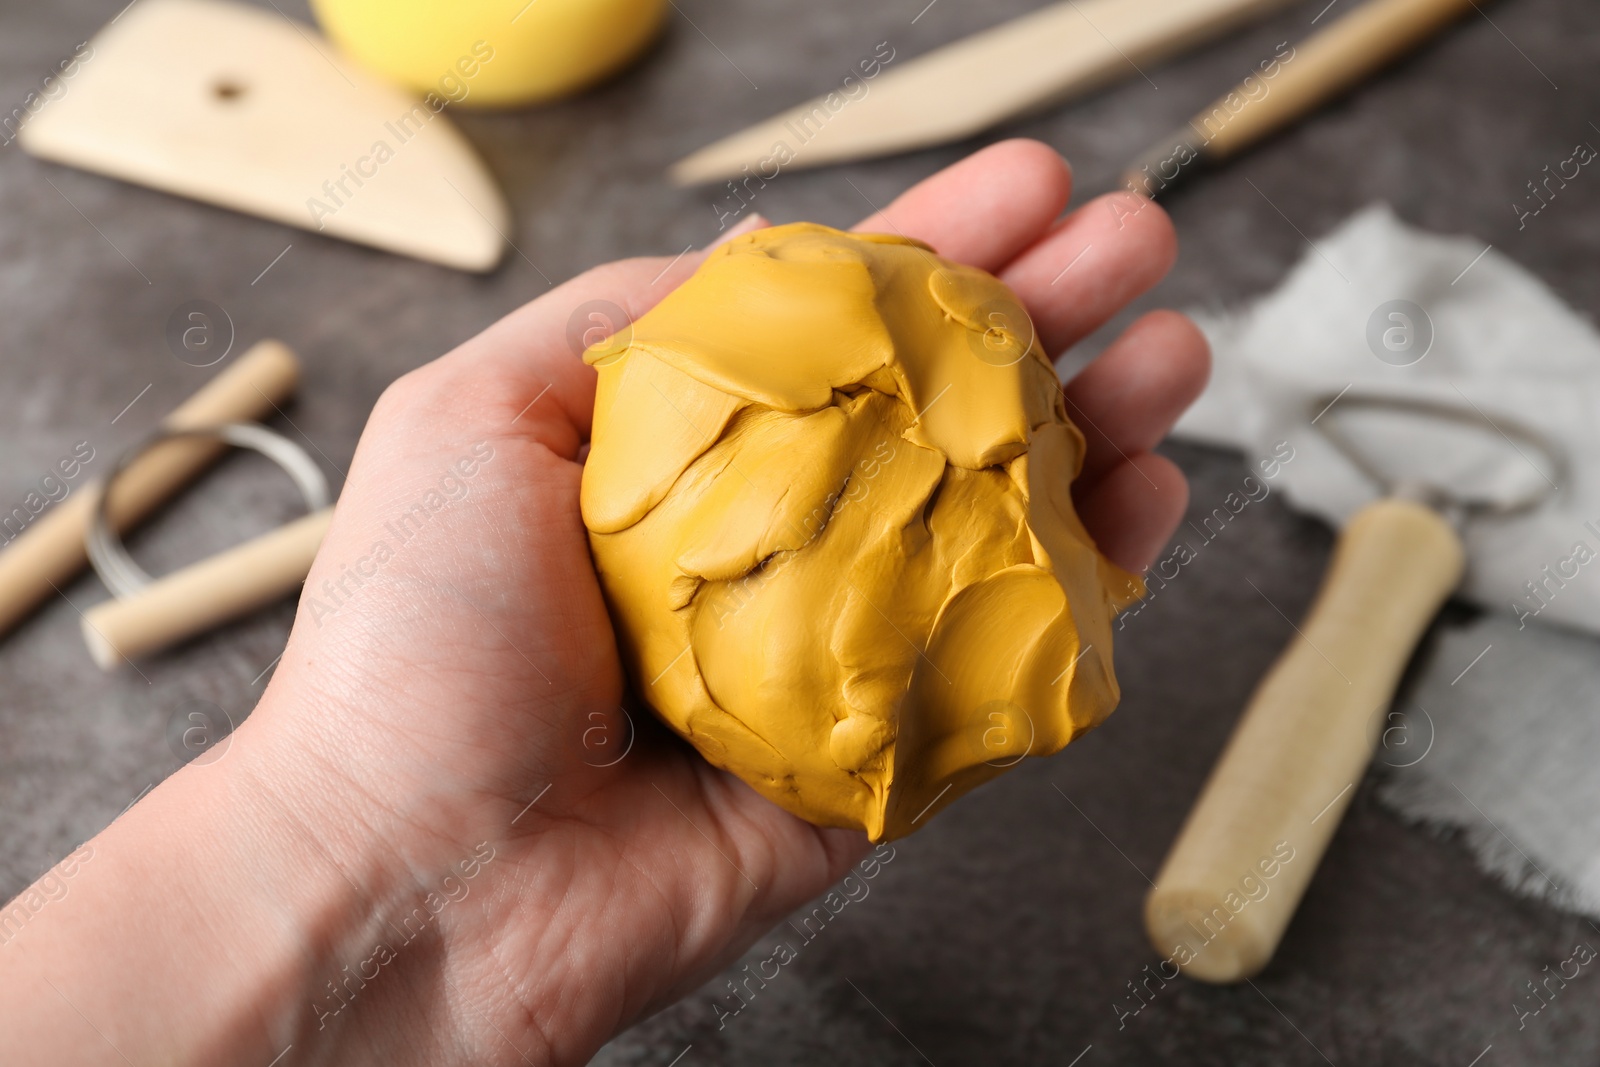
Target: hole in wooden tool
{"x":227,"y":90}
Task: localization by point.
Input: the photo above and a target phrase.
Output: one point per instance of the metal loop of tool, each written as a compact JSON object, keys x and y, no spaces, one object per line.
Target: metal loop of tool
{"x":1436,"y":496}
{"x":106,"y":551}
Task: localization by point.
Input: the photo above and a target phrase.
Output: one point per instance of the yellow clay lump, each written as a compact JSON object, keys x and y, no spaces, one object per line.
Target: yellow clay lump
{"x":828,"y":499}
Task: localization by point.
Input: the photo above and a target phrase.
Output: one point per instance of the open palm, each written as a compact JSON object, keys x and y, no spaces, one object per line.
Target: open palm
{"x":453,"y":667}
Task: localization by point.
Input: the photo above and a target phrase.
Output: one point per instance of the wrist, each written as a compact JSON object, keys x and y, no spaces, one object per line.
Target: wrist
{"x":364,"y":886}
{"x":199,"y":926}
{"x":400,"y":974}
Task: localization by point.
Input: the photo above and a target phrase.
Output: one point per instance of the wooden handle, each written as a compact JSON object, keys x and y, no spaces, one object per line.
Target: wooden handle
{"x":1248,"y":850}
{"x":1330,"y":62}
{"x":205,"y":594}
{"x":50,"y":552}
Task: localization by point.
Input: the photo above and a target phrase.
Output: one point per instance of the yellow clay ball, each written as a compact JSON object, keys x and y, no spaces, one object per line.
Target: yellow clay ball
{"x":829,"y":501}
{"x":492,"y":53}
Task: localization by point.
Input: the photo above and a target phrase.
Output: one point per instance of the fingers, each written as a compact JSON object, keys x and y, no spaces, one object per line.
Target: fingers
{"x":1090,"y":264}
{"x":985,"y":209}
{"x":994,"y":210}
{"x":1129,"y":397}
{"x":1132,"y":511}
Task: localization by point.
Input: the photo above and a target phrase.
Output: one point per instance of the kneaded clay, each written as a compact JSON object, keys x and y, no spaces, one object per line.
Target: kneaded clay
{"x":828,"y":500}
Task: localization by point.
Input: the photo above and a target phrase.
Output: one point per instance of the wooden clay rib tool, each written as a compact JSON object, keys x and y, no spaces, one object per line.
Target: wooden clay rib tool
{"x":1330,"y":62}
{"x":50,"y":552}
{"x":241,"y":107}
{"x":1280,"y":787}
{"x":962,"y":89}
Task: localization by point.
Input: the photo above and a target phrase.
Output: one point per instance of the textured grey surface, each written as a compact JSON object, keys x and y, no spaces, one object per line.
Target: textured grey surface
{"x":1006,"y":931}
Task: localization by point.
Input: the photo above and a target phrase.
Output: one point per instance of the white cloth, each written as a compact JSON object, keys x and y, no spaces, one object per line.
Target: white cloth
{"x":1511,"y":750}
{"x":1512,"y":743}
{"x":1502,"y":342}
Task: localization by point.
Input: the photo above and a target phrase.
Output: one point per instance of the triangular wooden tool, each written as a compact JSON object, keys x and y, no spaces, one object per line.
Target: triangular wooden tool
{"x":248,"y":109}
{"x":1046,"y":56}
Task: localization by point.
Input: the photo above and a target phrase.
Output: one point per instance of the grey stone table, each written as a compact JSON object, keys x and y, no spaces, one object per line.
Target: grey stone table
{"x":1007,"y":931}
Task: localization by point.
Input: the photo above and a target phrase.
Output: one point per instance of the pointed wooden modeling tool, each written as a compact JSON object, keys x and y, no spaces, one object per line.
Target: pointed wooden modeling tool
{"x":962,"y":89}
{"x":245,"y":108}
{"x":1329,"y":63}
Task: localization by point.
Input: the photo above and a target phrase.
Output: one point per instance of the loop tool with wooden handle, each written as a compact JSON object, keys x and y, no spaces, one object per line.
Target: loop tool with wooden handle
{"x":148,"y":615}
{"x":1247,"y":852}
{"x":51,"y":551}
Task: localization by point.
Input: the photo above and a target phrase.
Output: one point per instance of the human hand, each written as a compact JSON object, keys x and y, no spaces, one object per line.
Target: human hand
{"x":452,"y":690}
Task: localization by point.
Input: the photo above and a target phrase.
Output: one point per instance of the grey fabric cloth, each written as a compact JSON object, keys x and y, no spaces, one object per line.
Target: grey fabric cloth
{"x":1007,"y":931}
{"x":1500,"y":737}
